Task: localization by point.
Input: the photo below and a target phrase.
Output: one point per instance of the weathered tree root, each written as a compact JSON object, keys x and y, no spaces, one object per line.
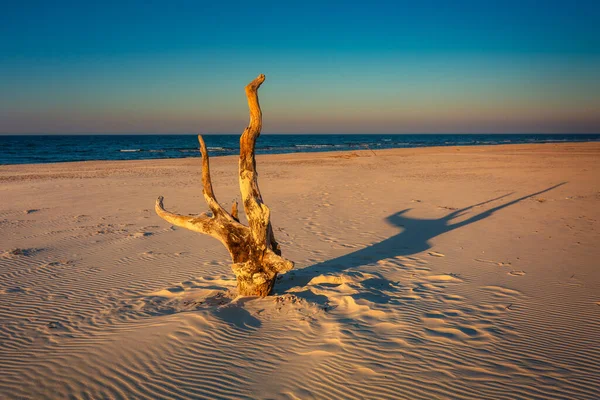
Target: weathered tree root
{"x":255,"y":252}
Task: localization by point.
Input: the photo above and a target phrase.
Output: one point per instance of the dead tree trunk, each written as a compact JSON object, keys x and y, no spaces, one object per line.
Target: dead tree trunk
{"x":255,"y":252}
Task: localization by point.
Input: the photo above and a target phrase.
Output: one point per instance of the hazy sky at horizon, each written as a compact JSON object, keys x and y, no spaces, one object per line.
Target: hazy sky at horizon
{"x":381,"y":67}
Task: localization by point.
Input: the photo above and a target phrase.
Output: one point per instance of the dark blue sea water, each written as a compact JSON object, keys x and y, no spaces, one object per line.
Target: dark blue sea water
{"x":54,"y":148}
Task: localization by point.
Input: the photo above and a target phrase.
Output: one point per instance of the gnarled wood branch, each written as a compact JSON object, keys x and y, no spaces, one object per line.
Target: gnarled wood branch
{"x":255,"y":253}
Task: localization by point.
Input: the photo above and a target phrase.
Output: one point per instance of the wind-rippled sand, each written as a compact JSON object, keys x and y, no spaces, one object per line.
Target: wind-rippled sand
{"x":466,"y":272}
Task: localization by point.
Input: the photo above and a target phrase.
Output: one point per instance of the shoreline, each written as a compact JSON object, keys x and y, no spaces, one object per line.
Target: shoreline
{"x":316,"y":154}
{"x":106,"y":148}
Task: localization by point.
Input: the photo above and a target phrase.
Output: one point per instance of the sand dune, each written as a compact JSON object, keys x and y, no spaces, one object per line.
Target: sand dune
{"x":466,"y":272}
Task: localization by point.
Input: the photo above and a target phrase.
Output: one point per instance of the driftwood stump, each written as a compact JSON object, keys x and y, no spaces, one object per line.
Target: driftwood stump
{"x":255,"y":253}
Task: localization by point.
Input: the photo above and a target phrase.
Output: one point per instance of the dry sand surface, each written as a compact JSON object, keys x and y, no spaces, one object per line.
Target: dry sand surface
{"x":458,"y":272}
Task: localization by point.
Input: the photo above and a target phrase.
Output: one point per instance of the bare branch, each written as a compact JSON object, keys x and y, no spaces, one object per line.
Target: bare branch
{"x":234,"y":211}
{"x":202,"y":223}
{"x":257,"y":212}
{"x":207,"y":189}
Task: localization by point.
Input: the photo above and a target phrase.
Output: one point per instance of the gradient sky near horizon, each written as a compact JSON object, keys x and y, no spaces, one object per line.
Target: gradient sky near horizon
{"x":332,"y":67}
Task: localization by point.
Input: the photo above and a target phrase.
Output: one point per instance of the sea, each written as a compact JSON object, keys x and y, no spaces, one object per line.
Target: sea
{"x":32,"y":149}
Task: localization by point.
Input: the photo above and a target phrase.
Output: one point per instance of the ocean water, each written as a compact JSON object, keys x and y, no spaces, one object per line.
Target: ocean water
{"x":59,"y":148}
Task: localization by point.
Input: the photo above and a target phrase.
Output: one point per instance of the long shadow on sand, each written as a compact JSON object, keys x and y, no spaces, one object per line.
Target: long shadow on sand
{"x":370,"y":285}
{"x":414,"y":238}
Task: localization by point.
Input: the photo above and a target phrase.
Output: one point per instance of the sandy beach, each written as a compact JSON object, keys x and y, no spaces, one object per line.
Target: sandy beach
{"x":450,"y":273}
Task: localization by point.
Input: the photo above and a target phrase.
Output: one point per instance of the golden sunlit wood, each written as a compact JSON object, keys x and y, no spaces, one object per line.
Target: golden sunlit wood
{"x":255,"y":253}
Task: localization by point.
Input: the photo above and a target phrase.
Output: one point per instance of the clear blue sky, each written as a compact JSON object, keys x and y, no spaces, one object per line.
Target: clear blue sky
{"x":343,"y":67}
